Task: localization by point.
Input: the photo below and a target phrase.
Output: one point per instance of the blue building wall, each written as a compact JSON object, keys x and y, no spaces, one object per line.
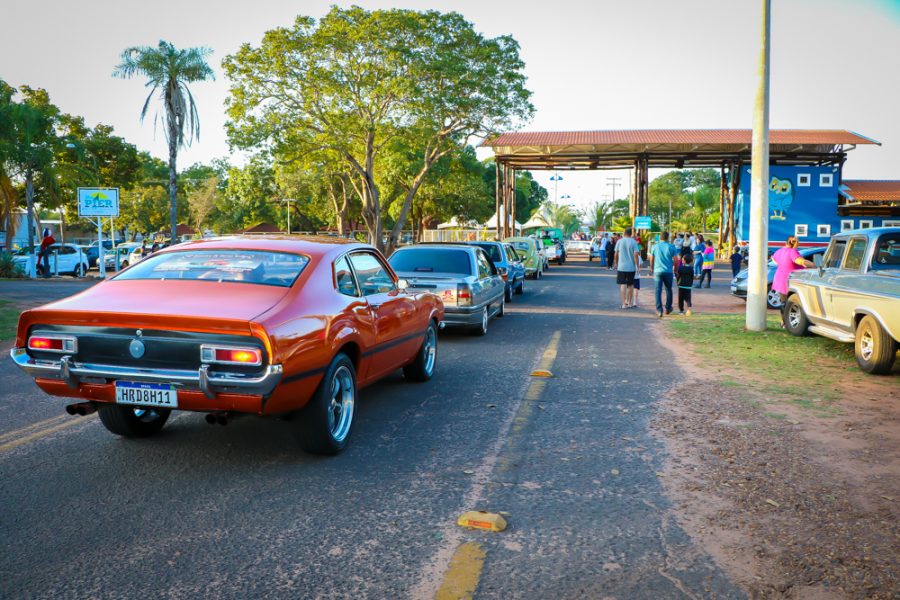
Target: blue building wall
{"x":798,"y":197}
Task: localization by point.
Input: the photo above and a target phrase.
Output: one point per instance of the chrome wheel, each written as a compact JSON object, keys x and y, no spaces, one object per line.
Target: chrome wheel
{"x":866,"y":345}
{"x":794,"y":316}
{"x":430,"y":350}
{"x":774,"y":299}
{"x":484,"y":320}
{"x":340,"y":411}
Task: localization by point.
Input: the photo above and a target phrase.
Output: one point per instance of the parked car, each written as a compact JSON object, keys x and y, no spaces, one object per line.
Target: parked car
{"x":65,"y":259}
{"x":531,"y":252}
{"x":578,"y":247}
{"x":258,"y":325}
{"x":505,"y":259}
{"x":853,"y":296}
{"x":122,"y":252}
{"x":93,"y":250}
{"x":461,"y":275}
{"x":773,"y":299}
{"x":595,"y":249}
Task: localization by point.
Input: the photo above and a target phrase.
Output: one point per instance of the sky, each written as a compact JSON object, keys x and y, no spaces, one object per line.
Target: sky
{"x":591,"y":64}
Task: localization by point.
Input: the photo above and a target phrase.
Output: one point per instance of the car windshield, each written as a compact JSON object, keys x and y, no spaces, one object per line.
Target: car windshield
{"x":887,"y":253}
{"x":241,"y":266}
{"x":493,"y":251}
{"x":431,"y":260}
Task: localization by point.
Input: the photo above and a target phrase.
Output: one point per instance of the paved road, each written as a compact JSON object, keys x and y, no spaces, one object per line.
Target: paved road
{"x":239,"y":511}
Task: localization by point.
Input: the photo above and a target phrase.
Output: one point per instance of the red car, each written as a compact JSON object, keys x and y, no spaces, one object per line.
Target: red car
{"x":261,"y":325}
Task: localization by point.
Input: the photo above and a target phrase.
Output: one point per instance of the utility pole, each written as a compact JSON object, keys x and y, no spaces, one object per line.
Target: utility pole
{"x":759,"y":188}
{"x":289,"y":200}
{"x":614,"y":183}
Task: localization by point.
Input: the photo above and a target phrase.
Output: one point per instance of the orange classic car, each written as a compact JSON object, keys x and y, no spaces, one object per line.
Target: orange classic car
{"x":262,"y":325}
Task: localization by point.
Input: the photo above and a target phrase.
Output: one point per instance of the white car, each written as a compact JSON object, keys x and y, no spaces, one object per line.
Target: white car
{"x":65,"y":259}
{"x":124,"y":252}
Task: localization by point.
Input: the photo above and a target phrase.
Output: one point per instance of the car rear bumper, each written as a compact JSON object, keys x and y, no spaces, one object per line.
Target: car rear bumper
{"x":74,"y":374}
{"x":456,"y":317}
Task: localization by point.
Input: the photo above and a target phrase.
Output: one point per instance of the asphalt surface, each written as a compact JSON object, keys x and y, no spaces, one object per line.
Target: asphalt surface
{"x":240,"y":511}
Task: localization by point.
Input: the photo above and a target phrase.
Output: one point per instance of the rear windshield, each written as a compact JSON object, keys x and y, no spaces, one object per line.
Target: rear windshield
{"x":887,"y":253}
{"x":240,"y":266}
{"x":431,"y":260}
{"x":523,"y":246}
{"x":493,"y":251}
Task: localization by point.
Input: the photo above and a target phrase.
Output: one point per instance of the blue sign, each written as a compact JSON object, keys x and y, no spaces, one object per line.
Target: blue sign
{"x":642,"y":223}
{"x":98,"y":202}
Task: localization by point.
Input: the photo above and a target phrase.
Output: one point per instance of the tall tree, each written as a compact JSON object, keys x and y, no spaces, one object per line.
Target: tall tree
{"x":358,"y":81}
{"x":169,"y":71}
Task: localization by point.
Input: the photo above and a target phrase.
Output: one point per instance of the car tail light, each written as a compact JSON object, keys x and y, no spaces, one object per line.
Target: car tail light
{"x":503,"y":272}
{"x":53,"y":343}
{"x":463,"y":295}
{"x":228,"y":355}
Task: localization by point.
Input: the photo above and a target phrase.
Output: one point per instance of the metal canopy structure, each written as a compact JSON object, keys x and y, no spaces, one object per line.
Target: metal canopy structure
{"x":727,"y":149}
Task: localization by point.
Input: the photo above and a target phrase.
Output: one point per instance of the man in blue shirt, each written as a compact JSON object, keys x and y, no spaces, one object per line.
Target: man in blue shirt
{"x":661,"y":258}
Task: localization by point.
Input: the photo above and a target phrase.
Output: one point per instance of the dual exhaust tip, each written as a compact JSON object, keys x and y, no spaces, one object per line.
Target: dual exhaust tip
{"x":218,"y":418}
{"x":81,"y":408}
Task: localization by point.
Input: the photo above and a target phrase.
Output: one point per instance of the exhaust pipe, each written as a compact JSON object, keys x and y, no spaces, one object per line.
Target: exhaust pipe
{"x":81,"y":408}
{"x":218,"y":417}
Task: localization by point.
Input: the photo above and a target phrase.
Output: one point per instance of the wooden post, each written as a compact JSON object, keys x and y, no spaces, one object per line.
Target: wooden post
{"x":513,"y":222}
{"x":497,"y":166}
{"x":723,"y":190}
{"x":732,"y":199}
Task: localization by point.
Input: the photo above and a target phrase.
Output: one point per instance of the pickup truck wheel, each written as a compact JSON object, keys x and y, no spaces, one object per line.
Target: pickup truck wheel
{"x":132,"y":421}
{"x":875,"y":349}
{"x":773,"y":299}
{"x":422,"y":368}
{"x":482,"y":328}
{"x":324,"y":425}
{"x":794,"y":318}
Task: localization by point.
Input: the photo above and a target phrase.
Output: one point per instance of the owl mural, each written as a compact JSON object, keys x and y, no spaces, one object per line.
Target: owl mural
{"x":781,"y":196}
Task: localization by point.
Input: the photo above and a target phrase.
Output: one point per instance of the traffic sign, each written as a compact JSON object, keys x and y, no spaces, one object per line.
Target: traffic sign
{"x":98,"y":202}
{"x":642,"y":223}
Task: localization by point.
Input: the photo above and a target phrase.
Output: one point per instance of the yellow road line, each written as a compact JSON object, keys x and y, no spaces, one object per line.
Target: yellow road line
{"x":463,"y":573}
{"x":461,"y":578}
{"x":39,"y":425}
{"x":42,"y":433}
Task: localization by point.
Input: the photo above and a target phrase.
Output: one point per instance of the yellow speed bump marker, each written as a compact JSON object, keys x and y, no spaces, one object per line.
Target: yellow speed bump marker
{"x":480,"y":519}
{"x":541,"y":373}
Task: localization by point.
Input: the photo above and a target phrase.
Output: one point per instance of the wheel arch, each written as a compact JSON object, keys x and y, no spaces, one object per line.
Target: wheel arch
{"x":863,"y":312}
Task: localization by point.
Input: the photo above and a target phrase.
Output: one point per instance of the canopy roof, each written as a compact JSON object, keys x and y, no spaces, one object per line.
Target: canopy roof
{"x":666,"y":147}
{"x":871,"y":190}
{"x":492,"y":222}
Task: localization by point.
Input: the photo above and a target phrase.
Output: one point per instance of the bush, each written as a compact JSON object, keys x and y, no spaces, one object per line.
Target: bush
{"x":8,"y":268}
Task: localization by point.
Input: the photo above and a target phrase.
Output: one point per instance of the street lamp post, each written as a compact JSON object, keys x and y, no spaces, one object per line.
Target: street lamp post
{"x":288,"y":200}
{"x":555,"y":178}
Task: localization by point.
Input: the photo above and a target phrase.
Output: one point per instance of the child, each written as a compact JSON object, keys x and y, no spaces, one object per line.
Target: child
{"x":684,"y":277}
{"x":637,"y":286}
{"x":737,"y":259}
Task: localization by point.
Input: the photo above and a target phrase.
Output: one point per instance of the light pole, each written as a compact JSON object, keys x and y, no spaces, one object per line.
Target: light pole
{"x":555,"y":178}
{"x":759,"y":189}
{"x":289,"y":200}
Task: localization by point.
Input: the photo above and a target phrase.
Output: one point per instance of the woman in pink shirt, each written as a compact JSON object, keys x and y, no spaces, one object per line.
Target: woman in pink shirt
{"x":787,"y":260}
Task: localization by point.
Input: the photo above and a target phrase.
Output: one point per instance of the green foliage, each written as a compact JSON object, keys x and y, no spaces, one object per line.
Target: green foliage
{"x":693,"y":194}
{"x":387,"y":92}
{"x":249,"y":198}
{"x":9,"y":319}
{"x":8,"y":267}
{"x":561,"y":217}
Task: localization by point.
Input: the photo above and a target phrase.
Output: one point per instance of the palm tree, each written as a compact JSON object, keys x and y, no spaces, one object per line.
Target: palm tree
{"x":169,"y":70}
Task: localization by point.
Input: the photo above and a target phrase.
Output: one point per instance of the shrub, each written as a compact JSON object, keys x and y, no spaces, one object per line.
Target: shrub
{"x":8,"y":268}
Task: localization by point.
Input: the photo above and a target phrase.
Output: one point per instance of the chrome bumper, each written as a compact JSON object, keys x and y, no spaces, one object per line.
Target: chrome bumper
{"x":210,"y":384}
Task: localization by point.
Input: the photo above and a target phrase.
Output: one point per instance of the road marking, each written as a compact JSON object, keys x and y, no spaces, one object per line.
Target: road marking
{"x":455,"y":560}
{"x":461,"y":579}
{"x":40,"y":433}
{"x":39,"y":425}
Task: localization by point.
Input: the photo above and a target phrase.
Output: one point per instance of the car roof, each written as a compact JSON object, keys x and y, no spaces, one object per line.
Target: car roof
{"x":874,"y":231}
{"x":312,"y":246}
{"x":457,"y":245}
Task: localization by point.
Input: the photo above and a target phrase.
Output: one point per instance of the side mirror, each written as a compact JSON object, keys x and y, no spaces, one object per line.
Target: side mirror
{"x":402,"y":284}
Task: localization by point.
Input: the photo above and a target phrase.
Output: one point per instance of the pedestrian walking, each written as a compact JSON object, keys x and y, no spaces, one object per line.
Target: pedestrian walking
{"x":626,"y":258}
{"x":787,"y":260}
{"x":637,"y":272}
{"x":678,"y":242}
{"x":697,"y":251}
{"x":684,"y":277}
{"x":611,"y":252}
{"x":709,"y":261}
{"x":604,"y":242}
{"x":737,"y":259}
{"x":661,"y":264}
{"x":47,"y":240}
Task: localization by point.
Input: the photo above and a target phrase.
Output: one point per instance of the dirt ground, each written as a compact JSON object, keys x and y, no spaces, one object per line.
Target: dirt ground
{"x":792,"y":501}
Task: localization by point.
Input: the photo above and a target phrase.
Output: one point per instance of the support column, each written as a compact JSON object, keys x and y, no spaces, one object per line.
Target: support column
{"x":497,"y":167}
{"x":723,"y":191}
{"x":732,"y":201}
{"x":512,"y":223}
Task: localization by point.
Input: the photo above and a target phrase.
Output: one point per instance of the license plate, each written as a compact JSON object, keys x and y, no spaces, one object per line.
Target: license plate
{"x":146,"y":394}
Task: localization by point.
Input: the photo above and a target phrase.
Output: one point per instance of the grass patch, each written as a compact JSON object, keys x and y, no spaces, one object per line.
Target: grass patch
{"x":779,"y":416}
{"x":772,"y":362}
{"x":9,"y":318}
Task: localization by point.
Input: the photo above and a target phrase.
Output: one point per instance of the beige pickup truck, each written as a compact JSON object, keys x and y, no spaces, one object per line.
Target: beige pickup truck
{"x":852,"y":296}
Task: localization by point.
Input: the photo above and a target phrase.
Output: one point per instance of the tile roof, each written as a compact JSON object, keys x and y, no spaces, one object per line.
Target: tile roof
{"x":872,"y":190}
{"x":675,"y":136}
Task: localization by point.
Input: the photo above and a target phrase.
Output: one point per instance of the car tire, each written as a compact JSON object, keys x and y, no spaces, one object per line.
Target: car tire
{"x":795,"y":320}
{"x":508,"y":292}
{"x":422,"y":368}
{"x":132,"y":421}
{"x":482,"y":328}
{"x":502,"y":310}
{"x":875,"y":349}
{"x":521,"y":289}
{"x":318,"y":428}
{"x":773,"y":299}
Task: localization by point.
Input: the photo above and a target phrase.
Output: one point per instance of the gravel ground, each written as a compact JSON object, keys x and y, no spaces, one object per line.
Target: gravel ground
{"x":791,"y":505}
